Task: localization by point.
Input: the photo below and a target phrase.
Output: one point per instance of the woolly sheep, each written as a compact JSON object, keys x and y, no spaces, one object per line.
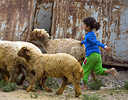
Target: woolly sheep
{"x":59,"y":65}
{"x":9,"y":60}
{"x":62,"y":45}
{"x":69,"y":46}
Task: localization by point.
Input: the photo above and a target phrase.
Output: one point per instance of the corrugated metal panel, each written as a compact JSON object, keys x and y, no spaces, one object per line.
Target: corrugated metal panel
{"x":113,"y":16}
{"x":16,"y":19}
{"x":43,"y":15}
{"x":60,"y":18}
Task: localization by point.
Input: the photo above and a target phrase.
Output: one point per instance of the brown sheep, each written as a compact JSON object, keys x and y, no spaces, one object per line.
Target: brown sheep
{"x":59,"y":65}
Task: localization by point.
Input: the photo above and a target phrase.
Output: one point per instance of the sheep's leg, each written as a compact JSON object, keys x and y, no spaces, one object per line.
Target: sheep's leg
{"x":21,"y":81}
{"x":25,"y":74}
{"x":44,"y":85}
{"x":29,"y":79}
{"x":25,"y":67}
{"x":34,"y":80}
{"x":40,"y":83}
{"x":77,"y":88}
{"x":93,"y":75}
{"x":76,"y":84}
{"x":12,"y":72}
{"x":12,"y":77}
{"x":63,"y":86}
{"x":5,"y":77}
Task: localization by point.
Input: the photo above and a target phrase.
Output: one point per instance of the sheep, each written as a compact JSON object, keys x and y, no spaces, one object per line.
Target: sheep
{"x":69,"y":46}
{"x":9,"y":60}
{"x":60,"y":65}
{"x":62,"y":45}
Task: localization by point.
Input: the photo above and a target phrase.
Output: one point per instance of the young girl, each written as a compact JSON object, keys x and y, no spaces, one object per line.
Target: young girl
{"x":93,"y":59}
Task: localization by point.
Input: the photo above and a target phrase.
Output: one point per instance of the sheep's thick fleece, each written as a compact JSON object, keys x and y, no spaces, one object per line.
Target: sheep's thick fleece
{"x":62,"y":45}
{"x":57,"y":65}
{"x":60,"y":65}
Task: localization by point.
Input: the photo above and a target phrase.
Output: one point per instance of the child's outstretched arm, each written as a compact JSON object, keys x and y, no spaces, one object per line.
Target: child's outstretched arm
{"x":93,"y":40}
{"x":102,"y":45}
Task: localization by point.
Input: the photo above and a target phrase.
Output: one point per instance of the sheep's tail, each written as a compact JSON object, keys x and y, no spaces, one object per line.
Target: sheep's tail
{"x":78,"y":72}
{"x":82,"y":72}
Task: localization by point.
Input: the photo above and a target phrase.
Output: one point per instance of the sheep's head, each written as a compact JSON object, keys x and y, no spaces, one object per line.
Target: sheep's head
{"x":25,"y":53}
{"x":39,"y":34}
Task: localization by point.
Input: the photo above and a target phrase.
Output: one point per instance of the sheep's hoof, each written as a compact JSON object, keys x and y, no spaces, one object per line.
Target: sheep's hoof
{"x":48,"y":90}
{"x":58,"y":92}
{"x":33,"y":89}
{"x":77,"y":95}
{"x":28,"y":89}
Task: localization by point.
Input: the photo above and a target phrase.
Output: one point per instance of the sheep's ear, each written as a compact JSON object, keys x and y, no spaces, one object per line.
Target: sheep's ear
{"x":39,"y":34}
{"x":31,"y":34}
{"x":27,"y":52}
{"x":24,"y":48}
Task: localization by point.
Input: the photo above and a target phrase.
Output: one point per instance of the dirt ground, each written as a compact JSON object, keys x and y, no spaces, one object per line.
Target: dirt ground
{"x":20,"y":94}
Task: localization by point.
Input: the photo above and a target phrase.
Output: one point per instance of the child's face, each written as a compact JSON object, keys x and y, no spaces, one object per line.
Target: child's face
{"x":86,"y":28}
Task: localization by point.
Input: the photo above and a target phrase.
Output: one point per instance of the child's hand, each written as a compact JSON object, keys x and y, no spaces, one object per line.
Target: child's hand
{"x":107,"y":48}
{"x":80,"y":43}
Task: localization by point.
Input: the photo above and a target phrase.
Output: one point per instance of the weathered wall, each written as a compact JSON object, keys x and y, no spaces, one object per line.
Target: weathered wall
{"x":19,"y":17}
{"x":113,"y":16}
{"x":43,"y":15}
{"x":16,"y":19}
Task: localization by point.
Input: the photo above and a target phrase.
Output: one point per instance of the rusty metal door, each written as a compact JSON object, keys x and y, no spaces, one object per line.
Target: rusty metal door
{"x":113,"y":16}
{"x":43,"y":15}
{"x":16,"y":19}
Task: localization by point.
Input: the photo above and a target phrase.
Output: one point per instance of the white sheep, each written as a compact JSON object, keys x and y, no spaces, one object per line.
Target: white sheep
{"x":62,"y":45}
{"x":59,"y":65}
{"x":10,"y":63}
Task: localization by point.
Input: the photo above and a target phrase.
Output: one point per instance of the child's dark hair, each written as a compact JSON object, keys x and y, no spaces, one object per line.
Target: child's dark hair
{"x":90,"y":21}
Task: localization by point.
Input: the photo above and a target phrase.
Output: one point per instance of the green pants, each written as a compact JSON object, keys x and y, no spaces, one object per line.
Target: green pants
{"x":93,"y":62}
